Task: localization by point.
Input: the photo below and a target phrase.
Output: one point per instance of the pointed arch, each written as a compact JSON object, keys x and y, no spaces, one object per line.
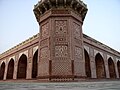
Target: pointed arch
{"x":111,"y":66}
{"x":35,"y":65}
{"x":100,"y":66}
{"x":87,"y":64}
{"x":22,"y":67}
{"x":10,"y":69}
{"x":118,"y":66}
{"x":2,"y":70}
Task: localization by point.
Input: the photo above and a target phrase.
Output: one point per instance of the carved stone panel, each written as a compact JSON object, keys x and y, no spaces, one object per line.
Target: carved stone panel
{"x":61,"y":51}
{"x":77,"y":30}
{"x":78,"y":42}
{"x":44,"y":53}
{"x":44,"y":42}
{"x":60,"y":27}
{"x":44,"y":30}
{"x":61,"y":39}
{"x":78,"y":52}
{"x":61,"y":68}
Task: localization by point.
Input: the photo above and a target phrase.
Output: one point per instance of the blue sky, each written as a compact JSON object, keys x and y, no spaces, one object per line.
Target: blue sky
{"x":18,"y":23}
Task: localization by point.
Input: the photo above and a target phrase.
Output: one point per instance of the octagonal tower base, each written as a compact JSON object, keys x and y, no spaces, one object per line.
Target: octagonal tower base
{"x":61,"y":55}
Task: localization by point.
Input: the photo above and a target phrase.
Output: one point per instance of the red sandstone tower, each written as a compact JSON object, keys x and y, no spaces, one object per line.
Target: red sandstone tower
{"x":61,"y":54}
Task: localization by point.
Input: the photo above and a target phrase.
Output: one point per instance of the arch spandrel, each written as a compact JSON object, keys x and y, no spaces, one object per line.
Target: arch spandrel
{"x":25,"y":53}
{"x":117,"y":59}
{"x":96,"y":52}
{"x":3,"y":61}
{"x":87,"y":49}
{"x":13,"y":57}
{"x":35,"y":49}
{"x":109,"y":56}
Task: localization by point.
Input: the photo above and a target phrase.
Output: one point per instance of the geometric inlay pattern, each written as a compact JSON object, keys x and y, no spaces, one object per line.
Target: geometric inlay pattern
{"x":60,"y":27}
{"x":61,"y":51}
{"x":61,"y":68}
{"x":77,"y":30}
{"x":44,"y":52}
{"x":44,"y":30}
{"x":78,"y":52}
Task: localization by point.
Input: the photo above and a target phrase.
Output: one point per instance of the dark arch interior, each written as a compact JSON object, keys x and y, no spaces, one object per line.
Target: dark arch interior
{"x":100,"y":67}
{"x":87,"y":64}
{"x":111,"y":68}
{"x":2,"y":70}
{"x":22,"y":67}
{"x":10,"y":69}
{"x":35,"y":65}
{"x":118,"y":65}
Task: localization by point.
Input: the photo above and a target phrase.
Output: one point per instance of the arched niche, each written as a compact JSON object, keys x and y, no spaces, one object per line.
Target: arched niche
{"x":22,"y":67}
{"x":111,"y":67}
{"x":100,"y":66}
{"x":10,"y":69}
{"x":35,"y":65}
{"x":2,"y":70}
{"x":87,"y":64}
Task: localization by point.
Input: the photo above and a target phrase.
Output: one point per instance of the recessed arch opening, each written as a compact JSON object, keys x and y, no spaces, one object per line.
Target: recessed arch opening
{"x":10,"y":69}
{"x":87,"y":64}
{"x":100,"y":66}
{"x":22,"y":67}
{"x":35,"y":65}
{"x":118,"y":66}
{"x":2,"y":70}
{"x":111,"y":66}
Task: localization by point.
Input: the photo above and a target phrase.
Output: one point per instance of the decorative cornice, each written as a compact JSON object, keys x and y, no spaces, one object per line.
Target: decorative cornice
{"x":44,"y":5}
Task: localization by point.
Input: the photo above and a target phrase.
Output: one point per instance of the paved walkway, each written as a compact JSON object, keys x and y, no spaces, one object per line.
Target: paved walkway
{"x":89,"y":85}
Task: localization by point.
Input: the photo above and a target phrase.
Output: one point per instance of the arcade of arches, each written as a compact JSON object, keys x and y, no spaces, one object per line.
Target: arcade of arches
{"x":100,"y":66}
{"x":23,"y":60}
{"x":21,"y":69}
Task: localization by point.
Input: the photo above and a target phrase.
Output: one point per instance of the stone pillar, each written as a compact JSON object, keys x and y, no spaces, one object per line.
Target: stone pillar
{"x":116,"y":68}
{"x":5,"y":73}
{"x":106,"y":66}
{"x":15,"y":66}
{"x":29,"y":64}
{"x":92,"y":63}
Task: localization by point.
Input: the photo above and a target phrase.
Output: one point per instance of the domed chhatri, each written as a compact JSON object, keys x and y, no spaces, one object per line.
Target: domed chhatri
{"x":44,"y":5}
